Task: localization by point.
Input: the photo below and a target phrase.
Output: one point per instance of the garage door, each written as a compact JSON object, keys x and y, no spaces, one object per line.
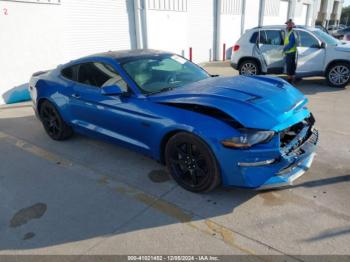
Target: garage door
{"x":275,"y":12}
{"x":97,"y":26}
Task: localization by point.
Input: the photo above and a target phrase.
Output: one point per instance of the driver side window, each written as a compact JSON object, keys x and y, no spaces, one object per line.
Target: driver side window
{"x":100,"y":74}
{"x":306,"y":40}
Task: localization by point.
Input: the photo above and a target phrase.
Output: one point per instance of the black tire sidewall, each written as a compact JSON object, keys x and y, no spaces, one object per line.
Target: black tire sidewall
{"x":214,"y":172}
{"x":65,"y":131}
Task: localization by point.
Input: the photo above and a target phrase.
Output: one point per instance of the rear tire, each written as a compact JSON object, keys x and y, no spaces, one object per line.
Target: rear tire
{"x":338,"y":75}
{"x":191,"y":163}
{"x":53,"y":123}
{"x":248,"y":68}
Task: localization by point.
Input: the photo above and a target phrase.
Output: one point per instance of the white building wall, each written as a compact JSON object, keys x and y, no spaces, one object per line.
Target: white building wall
{"x":167,"y":26}
{"x":300,"y":14}
{"x":30,"y":39}
{"x":178,"y":25}
{"x":38,"y":37}
{"x":251,"y":14}
{"x":275,"y":12}
{"x":201,"y":29}
{"x":230,"y":24}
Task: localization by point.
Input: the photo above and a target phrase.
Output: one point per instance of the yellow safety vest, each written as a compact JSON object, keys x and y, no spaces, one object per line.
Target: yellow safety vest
{"x":286,"y":42}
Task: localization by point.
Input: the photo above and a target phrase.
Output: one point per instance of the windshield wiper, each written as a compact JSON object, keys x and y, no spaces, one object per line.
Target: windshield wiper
{"x":164,"y":89}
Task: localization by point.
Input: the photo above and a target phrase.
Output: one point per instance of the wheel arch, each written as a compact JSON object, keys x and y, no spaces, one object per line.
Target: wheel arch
{"x":40,"y":102}
{"x":245,"y":58}
{"x":62,"y":113}
{"x":336,"y":61}
{"x":164,"y":142}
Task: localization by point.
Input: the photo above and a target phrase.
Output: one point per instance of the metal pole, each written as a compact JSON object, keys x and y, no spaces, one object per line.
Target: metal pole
{"x":244,"y":6}
{"x":143,"y":19}
{"x":217,"y":28}
{"x":224,"y":52}
{"x":261,"y":12}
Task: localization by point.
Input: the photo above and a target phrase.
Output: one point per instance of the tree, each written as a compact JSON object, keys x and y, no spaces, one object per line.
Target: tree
{"x":345,"y":15}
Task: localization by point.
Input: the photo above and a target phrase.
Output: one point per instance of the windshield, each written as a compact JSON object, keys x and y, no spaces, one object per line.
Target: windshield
{"x":162,"y":73}
{"x":324,"y":37}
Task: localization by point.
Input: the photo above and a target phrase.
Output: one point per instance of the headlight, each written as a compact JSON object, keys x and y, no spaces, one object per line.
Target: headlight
{"x":248,"y":138}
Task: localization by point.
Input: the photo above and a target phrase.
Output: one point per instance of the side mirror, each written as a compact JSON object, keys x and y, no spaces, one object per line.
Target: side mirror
{"x":323,"y":45}
{"x":112,"y":90}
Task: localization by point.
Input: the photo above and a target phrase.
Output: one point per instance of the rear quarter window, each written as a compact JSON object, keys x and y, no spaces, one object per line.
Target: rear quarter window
{"x":68,"y":73}
{"x":254,"y":38}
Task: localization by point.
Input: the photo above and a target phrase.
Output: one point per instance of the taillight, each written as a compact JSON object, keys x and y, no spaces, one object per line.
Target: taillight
{"x":235,"y":48}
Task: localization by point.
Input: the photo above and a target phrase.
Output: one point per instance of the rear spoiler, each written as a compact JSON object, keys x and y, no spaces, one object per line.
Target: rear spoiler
{"x":40,"y":73}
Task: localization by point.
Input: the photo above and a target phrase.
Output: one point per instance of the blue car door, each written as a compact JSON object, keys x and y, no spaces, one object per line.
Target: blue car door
{"x":114,"y":117}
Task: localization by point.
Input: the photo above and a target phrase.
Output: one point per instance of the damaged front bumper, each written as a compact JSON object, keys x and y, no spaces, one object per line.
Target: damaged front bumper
{"x":303,"y":156}
{"x":276,"y":166}
{"x":287,"y":178}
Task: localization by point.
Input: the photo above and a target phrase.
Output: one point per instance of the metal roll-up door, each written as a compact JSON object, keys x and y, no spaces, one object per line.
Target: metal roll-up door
{"x":97,"y":26}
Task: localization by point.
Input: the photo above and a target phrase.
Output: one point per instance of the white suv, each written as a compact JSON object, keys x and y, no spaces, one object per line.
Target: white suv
{"x":259,"y":51}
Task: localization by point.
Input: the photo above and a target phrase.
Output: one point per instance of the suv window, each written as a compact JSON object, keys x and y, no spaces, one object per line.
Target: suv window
{"x":262,"y":39}
{"x":268,"y":37}
{"x":273,"y":37}
{"x":99,"y":75}
{"x":306,"y":40}
{"x":253,"y":38}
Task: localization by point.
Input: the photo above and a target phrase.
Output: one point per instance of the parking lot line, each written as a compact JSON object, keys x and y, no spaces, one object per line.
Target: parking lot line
{"x":35,"y":150}
{"x":206,"y":226}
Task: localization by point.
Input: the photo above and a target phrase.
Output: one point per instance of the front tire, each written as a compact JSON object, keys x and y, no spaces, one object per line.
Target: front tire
{"x":53,"y":123}
{"x":191,"y":163}
{"x":249,"y":68}
{"x":338,"y":75}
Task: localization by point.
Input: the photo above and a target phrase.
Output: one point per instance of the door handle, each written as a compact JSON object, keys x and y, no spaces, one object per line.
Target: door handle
{"x":76,"y":95}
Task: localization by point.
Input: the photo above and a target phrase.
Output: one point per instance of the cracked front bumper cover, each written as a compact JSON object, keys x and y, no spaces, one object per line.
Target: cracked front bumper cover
{"x":290,"y":175}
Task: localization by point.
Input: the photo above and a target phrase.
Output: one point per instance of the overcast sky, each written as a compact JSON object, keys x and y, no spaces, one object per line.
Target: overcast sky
{"x":346,"y":2}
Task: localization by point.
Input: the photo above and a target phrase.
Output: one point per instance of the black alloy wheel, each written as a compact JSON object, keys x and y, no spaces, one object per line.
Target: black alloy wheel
{"x":53,"y":123}
{"x":191,"y":163}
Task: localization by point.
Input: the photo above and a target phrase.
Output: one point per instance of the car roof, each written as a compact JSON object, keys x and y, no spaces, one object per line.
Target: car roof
{"x":282,"y":27}
{"x":127,"y":55}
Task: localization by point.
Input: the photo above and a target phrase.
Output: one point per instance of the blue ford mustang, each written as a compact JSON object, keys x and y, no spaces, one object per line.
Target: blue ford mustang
{"x":253,"y":132}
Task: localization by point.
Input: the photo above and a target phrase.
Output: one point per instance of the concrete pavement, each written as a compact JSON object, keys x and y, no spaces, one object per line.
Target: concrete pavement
{"x":84,"y":196}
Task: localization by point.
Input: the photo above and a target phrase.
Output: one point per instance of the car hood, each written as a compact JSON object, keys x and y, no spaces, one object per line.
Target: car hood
{"x":256,"y":101}
{"x":345,"y":47}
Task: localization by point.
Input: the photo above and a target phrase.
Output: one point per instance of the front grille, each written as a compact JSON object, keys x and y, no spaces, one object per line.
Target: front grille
{"x":293,"y":137}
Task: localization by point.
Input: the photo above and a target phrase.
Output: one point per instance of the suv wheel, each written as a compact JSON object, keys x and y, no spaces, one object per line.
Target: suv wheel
{"x":248,"y":68}
{"x":338,"y":75}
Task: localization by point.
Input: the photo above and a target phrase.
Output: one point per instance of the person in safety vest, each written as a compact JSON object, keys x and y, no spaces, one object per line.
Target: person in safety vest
{"x":290,"y":50}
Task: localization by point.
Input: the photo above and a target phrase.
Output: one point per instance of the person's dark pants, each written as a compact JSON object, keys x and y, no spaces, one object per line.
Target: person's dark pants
{"x":291,"y":63}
